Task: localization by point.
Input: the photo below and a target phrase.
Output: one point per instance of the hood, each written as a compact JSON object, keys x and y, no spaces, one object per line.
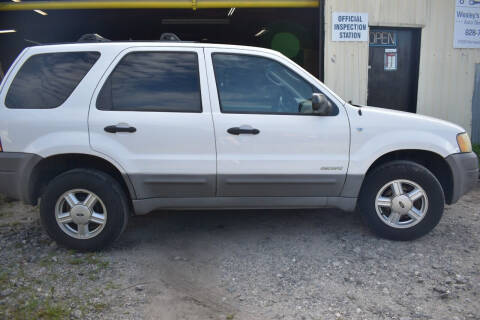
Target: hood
{"x":404,"y":119}
{"x":378,"y":131}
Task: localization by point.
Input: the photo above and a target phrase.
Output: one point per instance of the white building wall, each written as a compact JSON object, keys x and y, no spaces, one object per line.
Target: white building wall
{"x":446,"y":78}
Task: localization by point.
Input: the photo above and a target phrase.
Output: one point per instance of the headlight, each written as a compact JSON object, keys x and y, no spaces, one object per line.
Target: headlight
{"x":464,"y":142}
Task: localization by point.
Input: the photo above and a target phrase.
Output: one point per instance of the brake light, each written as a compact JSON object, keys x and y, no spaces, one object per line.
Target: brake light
{"x":1,"y":149}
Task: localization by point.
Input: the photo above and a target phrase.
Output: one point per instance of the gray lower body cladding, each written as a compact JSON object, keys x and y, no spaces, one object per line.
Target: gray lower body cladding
{"x":280,"y":185}
{"x":177,"y":186}
{"x":145,"y":206}
{"x":232,"y":191}
{"x":248,"y":185}
{"x":201,"y":191}
{"x":243,"y":192}
{"x":15,"y":172}
{"x":464,"y":168}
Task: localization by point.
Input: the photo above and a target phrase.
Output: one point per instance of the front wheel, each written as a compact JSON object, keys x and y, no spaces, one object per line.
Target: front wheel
{"x":401,"y":200}
{"x":84,"y":209}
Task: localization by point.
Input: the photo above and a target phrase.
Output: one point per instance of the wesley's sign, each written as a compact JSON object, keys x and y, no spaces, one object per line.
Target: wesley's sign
{"x":467,"y":24}
{"x":349,"y":26}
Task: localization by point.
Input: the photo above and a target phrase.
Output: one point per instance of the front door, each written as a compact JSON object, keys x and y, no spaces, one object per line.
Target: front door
{"x":266,"y":145}
{"x":393,"y":68}
{"x":151,"y":115}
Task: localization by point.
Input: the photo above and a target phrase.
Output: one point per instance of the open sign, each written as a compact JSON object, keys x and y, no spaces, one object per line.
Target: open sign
{"x":383,"y":38}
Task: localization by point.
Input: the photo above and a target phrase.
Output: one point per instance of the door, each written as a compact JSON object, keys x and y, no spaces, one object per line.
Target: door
{"x":151,"y":114}
{"x":266,"y":145}
{"x":394,"y":57}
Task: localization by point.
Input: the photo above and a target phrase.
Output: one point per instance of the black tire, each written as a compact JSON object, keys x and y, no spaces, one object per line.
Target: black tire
{"x":406,"y":170}
{"x":101,"y":184}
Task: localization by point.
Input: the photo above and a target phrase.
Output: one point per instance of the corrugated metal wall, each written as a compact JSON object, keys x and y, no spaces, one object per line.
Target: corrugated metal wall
{"x":446,"y":78}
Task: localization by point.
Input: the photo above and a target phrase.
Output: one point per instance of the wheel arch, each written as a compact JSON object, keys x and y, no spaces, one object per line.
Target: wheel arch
{"x":431,"y":160}
{"x":50,"y":167}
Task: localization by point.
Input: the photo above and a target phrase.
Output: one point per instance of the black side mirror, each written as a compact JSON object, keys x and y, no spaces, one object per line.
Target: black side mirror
{"x":321,"y":105}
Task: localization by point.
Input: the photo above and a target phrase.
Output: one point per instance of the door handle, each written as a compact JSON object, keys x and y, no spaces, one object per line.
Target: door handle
{"x":115,"y":129}
{"x":237,"y":130}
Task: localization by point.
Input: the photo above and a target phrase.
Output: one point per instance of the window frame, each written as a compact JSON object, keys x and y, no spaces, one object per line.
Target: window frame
{"x":120,"y":59}
{"x":19,"y":68}
{"x":335,"y":109}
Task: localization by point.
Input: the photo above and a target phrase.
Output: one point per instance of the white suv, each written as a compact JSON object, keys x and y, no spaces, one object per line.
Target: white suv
{"x":98,"y":131}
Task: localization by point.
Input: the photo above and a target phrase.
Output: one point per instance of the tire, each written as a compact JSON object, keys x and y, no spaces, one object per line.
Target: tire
{"x":105,"y":212}
{"x":389,"y":181}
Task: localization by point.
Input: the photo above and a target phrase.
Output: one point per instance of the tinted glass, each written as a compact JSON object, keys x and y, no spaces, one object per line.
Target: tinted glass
{"x":251,"y":84}
{"x":47,"y":80}
{"x":153,"y":81}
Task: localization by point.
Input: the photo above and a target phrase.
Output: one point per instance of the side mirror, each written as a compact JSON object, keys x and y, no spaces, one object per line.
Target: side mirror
{"x":321,"y":105}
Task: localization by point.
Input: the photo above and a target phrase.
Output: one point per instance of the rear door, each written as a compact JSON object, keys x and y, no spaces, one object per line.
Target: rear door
{"x":279,"y":150}
{"x":151,"y":114}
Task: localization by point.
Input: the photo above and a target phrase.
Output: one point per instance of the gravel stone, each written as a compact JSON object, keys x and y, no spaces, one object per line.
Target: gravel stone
{"x":460,"y":279}
{"x":77,"y":314}
{"x":6,"y":292}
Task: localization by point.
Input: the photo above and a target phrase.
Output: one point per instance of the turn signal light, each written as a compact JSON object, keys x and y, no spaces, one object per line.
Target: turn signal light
{"x":464,"y":142}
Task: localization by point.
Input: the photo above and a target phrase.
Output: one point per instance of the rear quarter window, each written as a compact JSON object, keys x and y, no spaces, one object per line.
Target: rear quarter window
{"x":46,"y":80}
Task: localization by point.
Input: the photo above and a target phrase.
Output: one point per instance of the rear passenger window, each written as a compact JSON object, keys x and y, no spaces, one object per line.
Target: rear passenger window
{"x":153,"y":81}
{"x":46,"y":80}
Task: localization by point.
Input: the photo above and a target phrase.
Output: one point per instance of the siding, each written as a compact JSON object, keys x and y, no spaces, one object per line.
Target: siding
{"x":446,"y":78}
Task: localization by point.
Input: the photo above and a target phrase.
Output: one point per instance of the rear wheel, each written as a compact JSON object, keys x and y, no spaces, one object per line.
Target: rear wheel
{"x":84,"y":209}
{"x":401,"y":200}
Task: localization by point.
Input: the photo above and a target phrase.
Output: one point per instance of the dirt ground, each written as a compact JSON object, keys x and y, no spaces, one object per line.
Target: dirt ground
{"x":302,"y":264}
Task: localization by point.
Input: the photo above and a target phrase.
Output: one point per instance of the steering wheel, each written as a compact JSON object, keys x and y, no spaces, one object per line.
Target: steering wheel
{"x":285,"y":103}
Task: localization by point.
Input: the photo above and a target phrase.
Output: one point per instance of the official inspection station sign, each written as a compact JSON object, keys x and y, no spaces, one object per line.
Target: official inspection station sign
{"x":467,"y":24}
{"x":349,"y":26}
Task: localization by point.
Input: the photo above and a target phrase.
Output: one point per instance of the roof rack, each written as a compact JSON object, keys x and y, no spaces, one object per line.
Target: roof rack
{"x":92,"y":37}
{"x":95,"y":37}
{"x":168,"y":36}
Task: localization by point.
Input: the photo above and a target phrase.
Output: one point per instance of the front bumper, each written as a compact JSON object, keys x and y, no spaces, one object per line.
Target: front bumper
{"x":464,"y":168}
{"x":15,"y":172}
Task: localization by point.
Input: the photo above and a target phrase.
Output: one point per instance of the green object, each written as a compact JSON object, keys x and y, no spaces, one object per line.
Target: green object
{"x":286,"y":43}
{"x":476,"y":149}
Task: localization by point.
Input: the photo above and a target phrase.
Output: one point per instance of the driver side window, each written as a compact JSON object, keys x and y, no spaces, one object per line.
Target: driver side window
{"x":253,"y":84}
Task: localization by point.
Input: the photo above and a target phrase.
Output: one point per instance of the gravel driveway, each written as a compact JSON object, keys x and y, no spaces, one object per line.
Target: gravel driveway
{"x":303,"y":264}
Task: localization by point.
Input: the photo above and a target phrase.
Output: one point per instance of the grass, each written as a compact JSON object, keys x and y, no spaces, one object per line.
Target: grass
{"x":99,"y":307}
{"x":476,"y":149}
{"x":5,"y":214}
{"x":89,"y":259}
{"x":4,"y":277}
{"x":28,"y":305}
{"x":36,"y":309}
{"x":76,"y":261}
